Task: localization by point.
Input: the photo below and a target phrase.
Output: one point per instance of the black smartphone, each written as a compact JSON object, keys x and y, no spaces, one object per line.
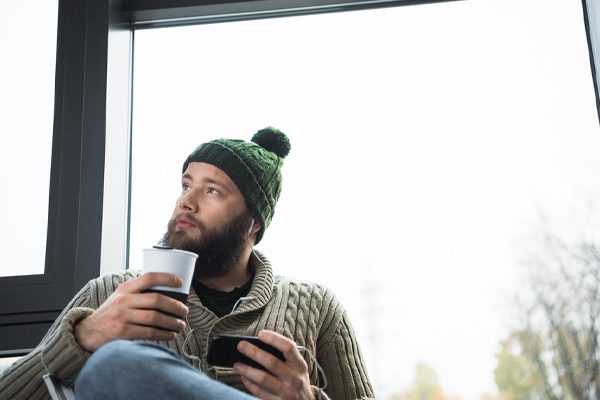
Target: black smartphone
{"x":223,"y":352}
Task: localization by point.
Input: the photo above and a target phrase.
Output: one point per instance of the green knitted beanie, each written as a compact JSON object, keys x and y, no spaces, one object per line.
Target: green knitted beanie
{"x":254,"y":167}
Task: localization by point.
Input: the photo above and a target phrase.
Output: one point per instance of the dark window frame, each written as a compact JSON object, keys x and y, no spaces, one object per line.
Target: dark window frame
{"x":91,"y":72}
{"x":31,"y":303}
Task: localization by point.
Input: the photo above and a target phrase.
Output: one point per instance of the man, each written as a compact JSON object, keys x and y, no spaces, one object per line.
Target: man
{"x":229,"y":192}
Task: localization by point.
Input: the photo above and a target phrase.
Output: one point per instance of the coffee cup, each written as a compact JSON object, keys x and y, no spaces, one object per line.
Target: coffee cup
{"x":177,"y":262}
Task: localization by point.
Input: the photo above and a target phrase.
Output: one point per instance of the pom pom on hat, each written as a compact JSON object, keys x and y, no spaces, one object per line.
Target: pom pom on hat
{"x":273,"y":140}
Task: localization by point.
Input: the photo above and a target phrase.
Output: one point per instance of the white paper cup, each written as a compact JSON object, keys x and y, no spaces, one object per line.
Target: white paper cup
{"x":172,"y":261}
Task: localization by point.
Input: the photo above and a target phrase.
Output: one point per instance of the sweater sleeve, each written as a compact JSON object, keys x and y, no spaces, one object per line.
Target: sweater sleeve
{"x":343,"y":364}
{"x":58,"y":353}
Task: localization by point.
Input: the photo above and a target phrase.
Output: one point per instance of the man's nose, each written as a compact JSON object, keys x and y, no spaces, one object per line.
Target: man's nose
{"x":188,"y":202}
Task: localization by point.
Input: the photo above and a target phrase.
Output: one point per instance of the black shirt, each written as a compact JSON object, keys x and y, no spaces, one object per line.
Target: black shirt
{"x":221,"y":303}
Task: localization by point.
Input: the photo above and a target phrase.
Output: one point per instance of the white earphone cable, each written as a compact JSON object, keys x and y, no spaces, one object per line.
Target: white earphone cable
{"x":249,"y":298}
{"x":187,"y":337}
{"x":314,"y":359}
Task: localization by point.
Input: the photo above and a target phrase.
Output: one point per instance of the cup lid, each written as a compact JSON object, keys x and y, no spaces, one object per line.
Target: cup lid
{"x":170,"y":249}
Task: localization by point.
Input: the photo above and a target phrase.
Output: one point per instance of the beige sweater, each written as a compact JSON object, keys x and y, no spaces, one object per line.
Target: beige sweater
{"x":307,"y":313}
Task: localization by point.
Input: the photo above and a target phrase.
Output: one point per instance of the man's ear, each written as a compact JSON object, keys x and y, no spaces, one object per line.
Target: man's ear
{"x":254,"y":226}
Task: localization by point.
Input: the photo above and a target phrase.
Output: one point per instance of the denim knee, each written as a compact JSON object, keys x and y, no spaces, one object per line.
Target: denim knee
{"x":115,"y":367}
{"x":142,"y":370}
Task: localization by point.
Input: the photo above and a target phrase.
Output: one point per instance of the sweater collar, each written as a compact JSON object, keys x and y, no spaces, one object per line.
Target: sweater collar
{"x":262,"y":286}
{"x":261,"y":291}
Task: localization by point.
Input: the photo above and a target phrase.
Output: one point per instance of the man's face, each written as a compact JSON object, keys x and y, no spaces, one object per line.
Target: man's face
{"x":210,"y":219}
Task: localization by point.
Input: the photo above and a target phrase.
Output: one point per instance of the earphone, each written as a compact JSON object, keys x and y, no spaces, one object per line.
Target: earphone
{"x":251,"y":226}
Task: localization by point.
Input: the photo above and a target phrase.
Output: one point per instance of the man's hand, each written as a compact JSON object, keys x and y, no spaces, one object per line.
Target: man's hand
{"x":286,"y":380}
{"x":132,"y":315}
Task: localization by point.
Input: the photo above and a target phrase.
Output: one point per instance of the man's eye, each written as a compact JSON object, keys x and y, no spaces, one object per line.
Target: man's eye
{"x":213,"y":191}
{"x":185,"y":186}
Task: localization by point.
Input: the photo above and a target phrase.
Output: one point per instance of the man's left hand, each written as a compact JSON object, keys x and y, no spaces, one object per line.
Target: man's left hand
{"x":286,"y":380}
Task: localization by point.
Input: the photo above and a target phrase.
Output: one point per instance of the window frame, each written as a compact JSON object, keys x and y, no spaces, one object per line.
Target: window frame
{"x":92,"y":107}
{"x":591,"y":20}
{"x":31,"y":303}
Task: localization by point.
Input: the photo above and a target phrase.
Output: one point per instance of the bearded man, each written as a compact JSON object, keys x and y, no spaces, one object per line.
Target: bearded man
{"x":115,"y":340}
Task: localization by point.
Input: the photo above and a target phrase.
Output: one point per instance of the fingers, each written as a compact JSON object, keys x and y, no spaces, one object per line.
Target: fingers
{"x":288,"y":384}
{"x":150,"y":310}
{"x":277,"y":367}
{"x":157,"y":301}
{"x":285,"y":380}
{"x":270,"y":362}
{"x":128,"y":294}
{"x":260,"y":383}
{"x":257,"y":389}
{"x":286,"y":346}
{"x":129,"y":314}
{"x":146,"y":281}
{"x":140,"y":324}
{"x":148,"y":301}
{"x":146,"y":309}
{"x":114,"y":320}
{"x":156,"y":319}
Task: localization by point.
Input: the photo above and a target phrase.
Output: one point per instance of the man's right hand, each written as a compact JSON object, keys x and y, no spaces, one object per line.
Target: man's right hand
{"x":132,"y":315}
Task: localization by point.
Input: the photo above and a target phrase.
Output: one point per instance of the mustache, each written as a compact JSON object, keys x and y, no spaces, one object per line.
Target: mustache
{"x":187,"y":216}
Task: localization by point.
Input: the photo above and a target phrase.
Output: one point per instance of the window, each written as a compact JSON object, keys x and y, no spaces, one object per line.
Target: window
{"x":27,"y":82}
{"x":31,"y":303}
{"x":425,"y":143}
{"x":563,"y":82}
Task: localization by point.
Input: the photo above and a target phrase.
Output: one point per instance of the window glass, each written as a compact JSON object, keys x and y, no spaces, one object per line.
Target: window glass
{"x":433,"y":147}
{"x":26,"y":117}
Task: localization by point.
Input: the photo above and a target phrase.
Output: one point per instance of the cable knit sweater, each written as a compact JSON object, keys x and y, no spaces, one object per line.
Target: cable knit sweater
{"x":307,"y":313}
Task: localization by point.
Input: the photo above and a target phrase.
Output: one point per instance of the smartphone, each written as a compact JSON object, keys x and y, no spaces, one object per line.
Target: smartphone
{"x":223,"y":352}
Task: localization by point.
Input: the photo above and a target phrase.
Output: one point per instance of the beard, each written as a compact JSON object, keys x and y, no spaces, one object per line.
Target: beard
{"x":218,"y":249}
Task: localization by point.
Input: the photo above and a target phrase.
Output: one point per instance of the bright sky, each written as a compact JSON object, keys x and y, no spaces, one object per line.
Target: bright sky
{"x":426,"y":141}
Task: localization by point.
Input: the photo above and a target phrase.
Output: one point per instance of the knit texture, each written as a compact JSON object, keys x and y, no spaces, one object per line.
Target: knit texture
{"x":307,"y":313}
{"x":254,"y":167}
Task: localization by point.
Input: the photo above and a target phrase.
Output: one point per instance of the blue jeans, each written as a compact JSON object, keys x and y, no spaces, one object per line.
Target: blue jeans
{"x":135,"y":370}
